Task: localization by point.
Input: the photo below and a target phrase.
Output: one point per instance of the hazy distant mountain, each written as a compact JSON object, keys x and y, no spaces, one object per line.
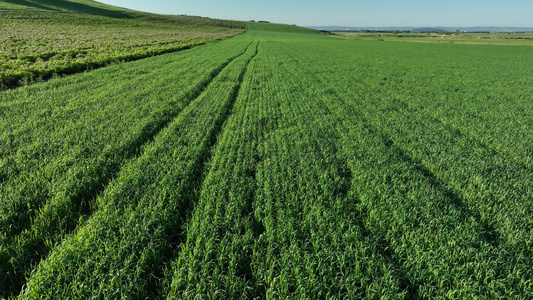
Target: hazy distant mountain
{"x":427,"y":29}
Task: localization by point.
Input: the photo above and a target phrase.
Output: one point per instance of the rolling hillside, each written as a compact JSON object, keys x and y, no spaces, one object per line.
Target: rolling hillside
{"x":75,"y":6}
{"x":42,"y":39}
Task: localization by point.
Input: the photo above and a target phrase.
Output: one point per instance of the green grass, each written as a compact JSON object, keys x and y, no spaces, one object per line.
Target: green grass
{"x":281,"y":163}
{"x":42,"y":39}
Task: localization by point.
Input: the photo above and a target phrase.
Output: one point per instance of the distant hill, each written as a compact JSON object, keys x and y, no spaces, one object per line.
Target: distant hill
{"x":427,"y":29}
{"x":79,"y":6}
{"x":274,"y":27}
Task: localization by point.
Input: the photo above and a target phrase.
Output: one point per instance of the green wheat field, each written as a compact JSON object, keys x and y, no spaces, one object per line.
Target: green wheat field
{"x":150,"y":157}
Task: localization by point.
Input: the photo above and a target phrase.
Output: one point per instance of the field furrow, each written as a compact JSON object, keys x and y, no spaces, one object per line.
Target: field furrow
{"x":485,"y":97}
{"x":498,"y":190}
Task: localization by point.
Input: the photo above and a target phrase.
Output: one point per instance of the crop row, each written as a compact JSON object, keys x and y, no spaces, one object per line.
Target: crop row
{"x":122,"y":249}
{"x":274,"y":219}
{"x":63,"y":141}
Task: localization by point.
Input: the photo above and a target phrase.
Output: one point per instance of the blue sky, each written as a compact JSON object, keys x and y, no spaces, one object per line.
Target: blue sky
{"x":460,"y":13}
